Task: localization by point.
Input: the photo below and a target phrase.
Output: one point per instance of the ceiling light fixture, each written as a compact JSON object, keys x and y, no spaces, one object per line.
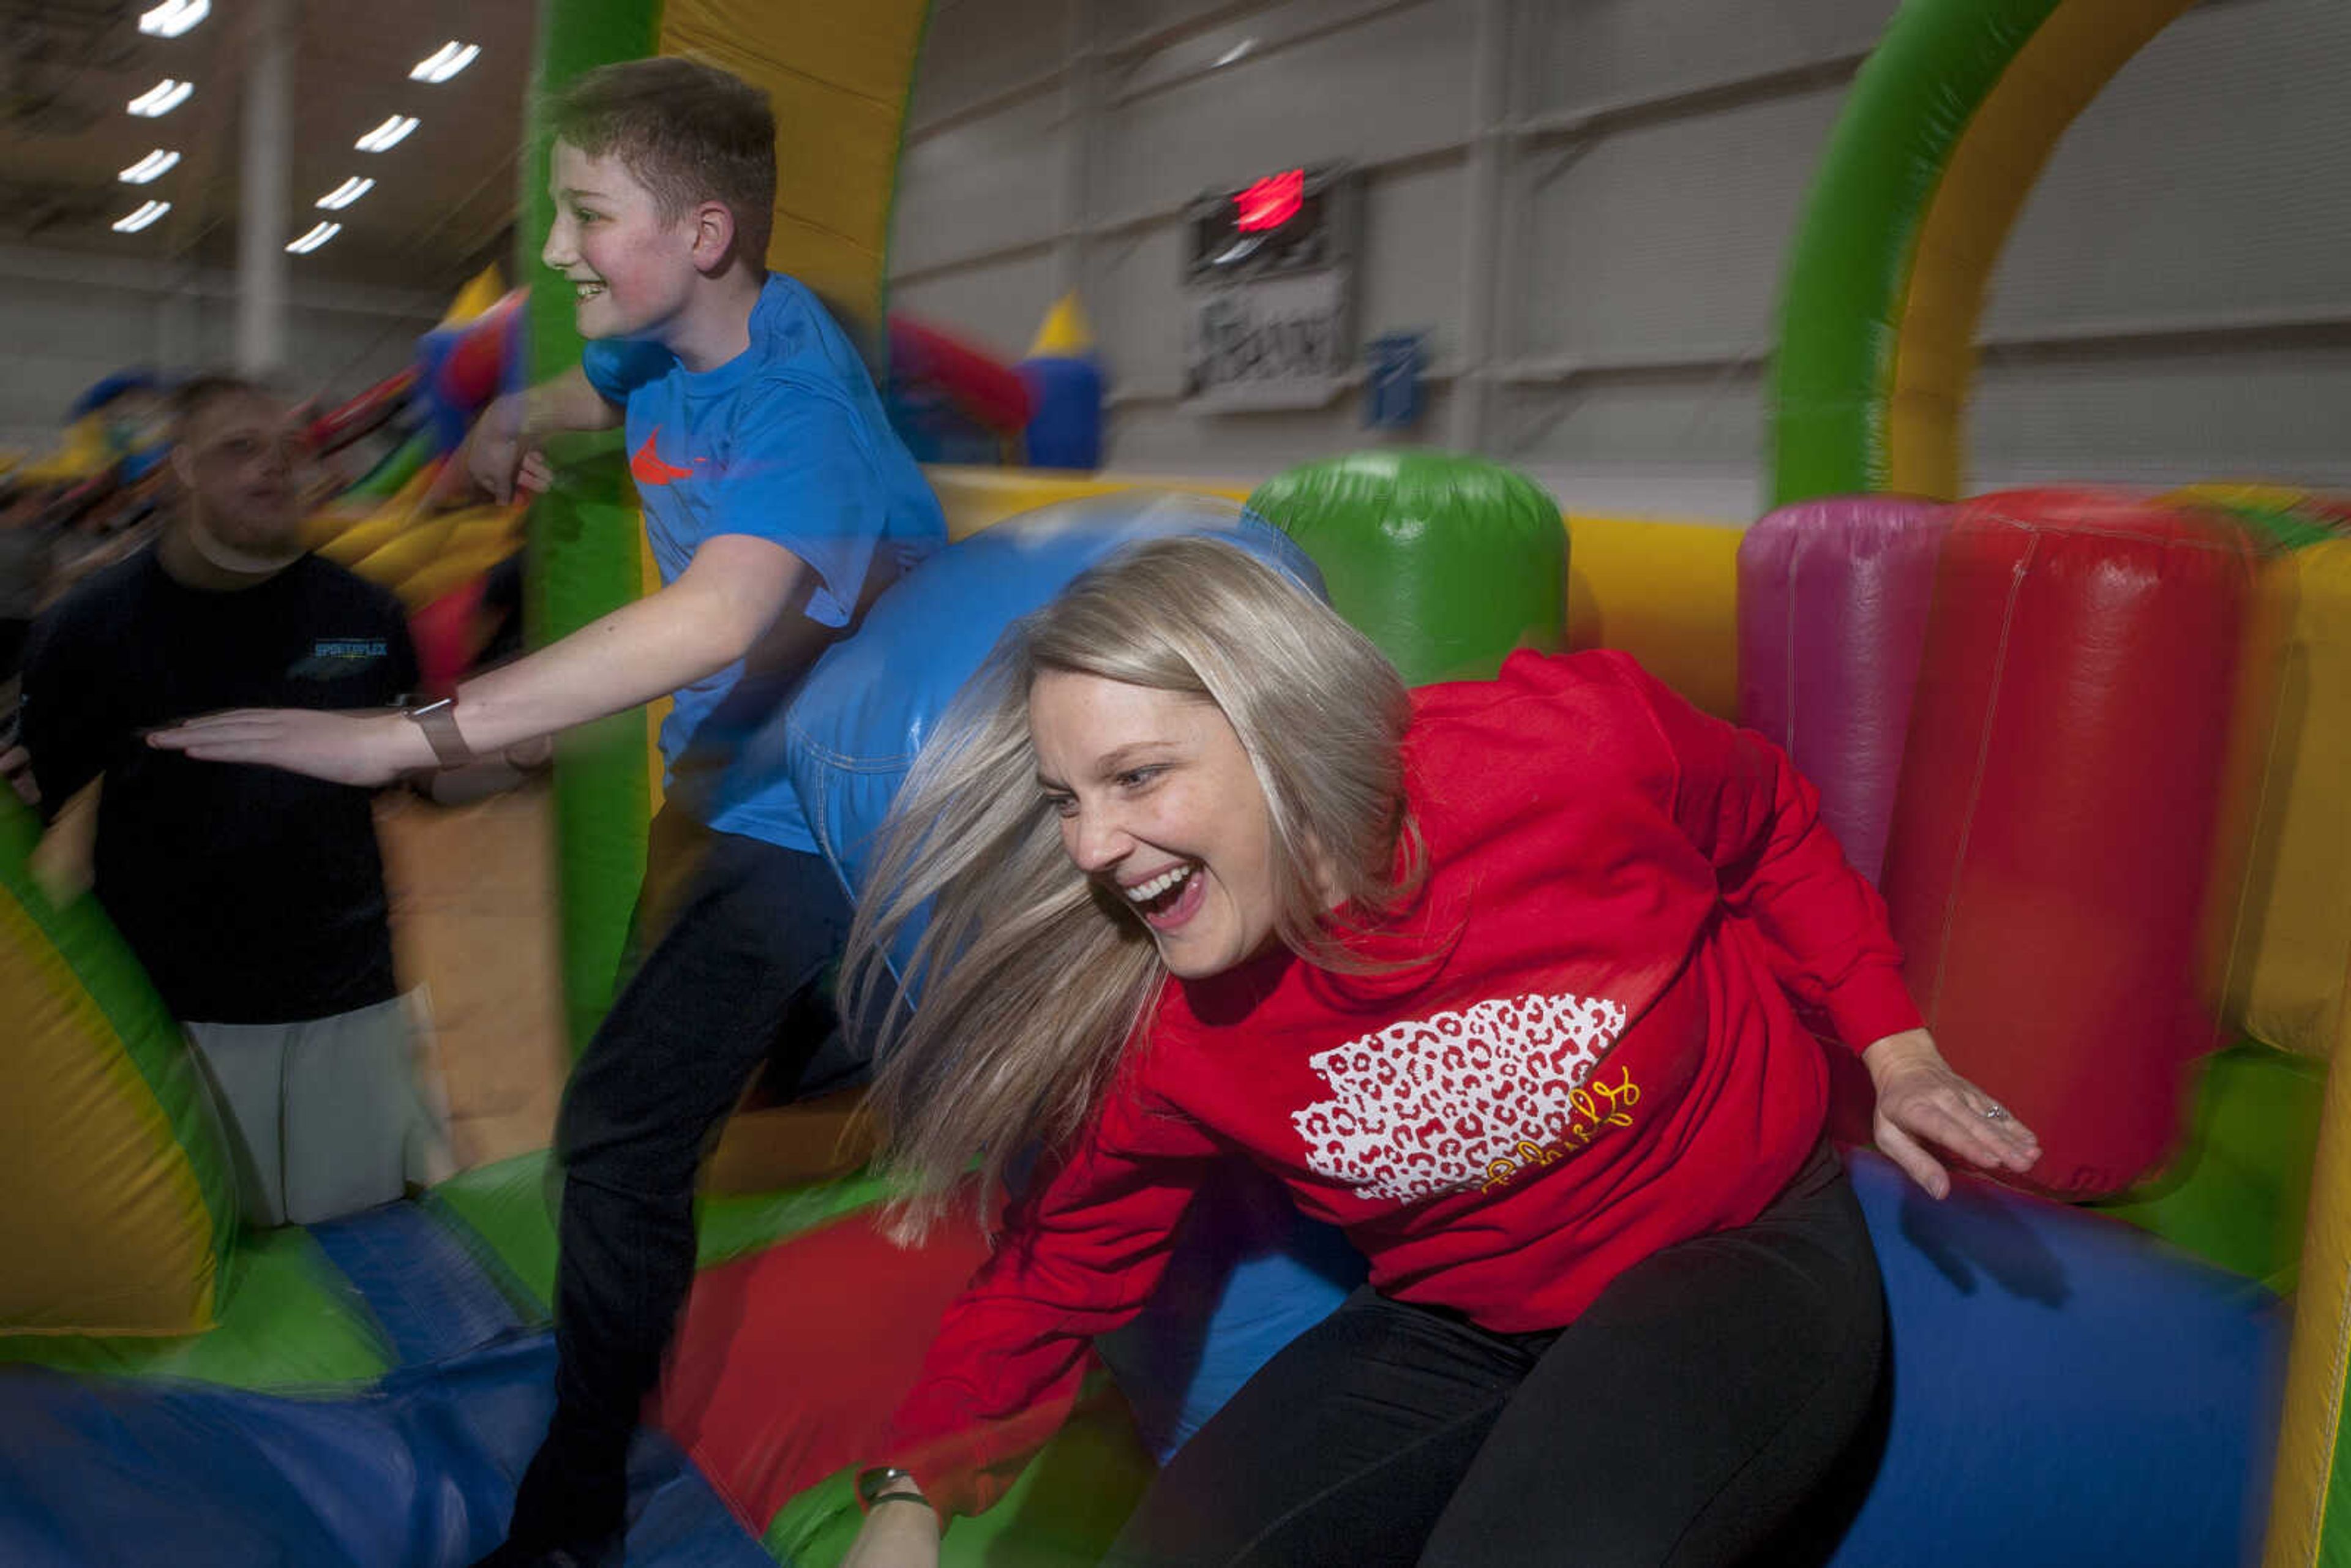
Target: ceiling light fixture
{"x":319,"y":234}
{"x":132,"y":222}
{"x":150,"y":167}
{"x":173,"y":17}
{"x":443,"y":62}
{"x":344,"y":194}
{"x":389,"y":134}
{"x":161,"y":99}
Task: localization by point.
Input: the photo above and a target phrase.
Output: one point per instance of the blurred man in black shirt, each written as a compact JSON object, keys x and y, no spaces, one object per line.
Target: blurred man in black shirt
{"x":254,"y":897}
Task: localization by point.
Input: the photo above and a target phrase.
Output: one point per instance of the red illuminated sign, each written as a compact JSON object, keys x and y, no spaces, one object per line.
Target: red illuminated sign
{"x":1271,"y":202}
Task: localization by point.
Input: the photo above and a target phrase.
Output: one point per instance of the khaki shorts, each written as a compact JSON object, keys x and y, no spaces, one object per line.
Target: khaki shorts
{"x":326,"y":1116}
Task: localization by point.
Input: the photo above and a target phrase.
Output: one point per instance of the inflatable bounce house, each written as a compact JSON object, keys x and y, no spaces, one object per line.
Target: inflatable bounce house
{"x":2093,"y":745}
{"x":404,"y":522}
{"x":118,"y":420}
{"x":953,"y":402}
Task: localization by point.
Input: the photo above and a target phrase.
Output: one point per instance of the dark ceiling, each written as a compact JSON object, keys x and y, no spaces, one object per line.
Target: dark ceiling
{"x":443,"y":199}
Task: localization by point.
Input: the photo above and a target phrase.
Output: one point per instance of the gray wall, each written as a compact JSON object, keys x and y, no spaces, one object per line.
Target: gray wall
{"x":68,"y":319}
{"x":2174,"y":303}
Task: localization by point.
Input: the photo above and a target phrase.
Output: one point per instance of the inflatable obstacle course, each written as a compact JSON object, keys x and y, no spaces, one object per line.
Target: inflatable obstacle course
{"x":2067,"y":1389}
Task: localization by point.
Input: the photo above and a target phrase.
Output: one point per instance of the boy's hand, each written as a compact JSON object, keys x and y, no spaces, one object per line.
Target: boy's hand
{"x":500,"y":456}
{"x":343,"y":749}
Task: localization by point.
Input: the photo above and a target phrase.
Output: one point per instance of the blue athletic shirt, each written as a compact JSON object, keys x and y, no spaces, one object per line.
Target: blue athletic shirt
{"x":785,"y":442}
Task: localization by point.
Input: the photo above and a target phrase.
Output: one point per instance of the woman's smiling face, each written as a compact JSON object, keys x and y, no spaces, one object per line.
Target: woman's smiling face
{"x":1159,"y":804}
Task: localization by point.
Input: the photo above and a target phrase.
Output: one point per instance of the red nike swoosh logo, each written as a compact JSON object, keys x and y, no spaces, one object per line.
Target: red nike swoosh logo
{"x":647,"y":468}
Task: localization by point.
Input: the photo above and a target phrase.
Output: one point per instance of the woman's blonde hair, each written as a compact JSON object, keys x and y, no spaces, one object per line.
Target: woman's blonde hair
{"x":1030,"y":978}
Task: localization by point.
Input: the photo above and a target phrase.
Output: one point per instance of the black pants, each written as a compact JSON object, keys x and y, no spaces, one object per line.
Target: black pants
{"x":1680,"y":1419}
{"x":739,"y":977}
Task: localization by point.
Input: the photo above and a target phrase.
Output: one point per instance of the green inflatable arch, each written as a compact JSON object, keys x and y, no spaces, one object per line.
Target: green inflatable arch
{"x":1945,"y":131}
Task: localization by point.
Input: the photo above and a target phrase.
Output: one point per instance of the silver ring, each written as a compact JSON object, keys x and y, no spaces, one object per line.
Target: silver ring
{"x":1994,"y":1113}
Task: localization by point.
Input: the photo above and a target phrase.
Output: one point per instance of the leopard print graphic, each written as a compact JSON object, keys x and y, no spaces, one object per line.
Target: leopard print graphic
{"x":1464,"y":1099}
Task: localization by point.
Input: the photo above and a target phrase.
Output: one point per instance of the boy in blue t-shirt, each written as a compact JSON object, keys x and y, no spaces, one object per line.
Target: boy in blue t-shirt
{"x":777,"y":503}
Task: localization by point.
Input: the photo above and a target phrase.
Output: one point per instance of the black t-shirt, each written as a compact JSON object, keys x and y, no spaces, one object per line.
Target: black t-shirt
{"x":251,"y":894}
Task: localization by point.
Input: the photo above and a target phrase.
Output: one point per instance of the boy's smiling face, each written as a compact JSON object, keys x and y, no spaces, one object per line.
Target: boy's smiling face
{"x":633,"y":271}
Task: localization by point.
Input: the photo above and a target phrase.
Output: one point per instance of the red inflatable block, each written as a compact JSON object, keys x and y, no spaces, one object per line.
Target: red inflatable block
{"x":449,"y":633}
{"x":790,"y":1361}
{"x":983,"y":387}
{"x":346,"y":424}
{"x":480,"y":355}
{"x":2052,"y":833}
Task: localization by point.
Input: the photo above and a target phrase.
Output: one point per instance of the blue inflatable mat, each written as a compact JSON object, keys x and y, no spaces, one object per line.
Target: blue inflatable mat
{"x":2065,"y":1390}
{"x":418,"y":1474}
{"x":1248,"y":1274}
{"x":427,"y":1292}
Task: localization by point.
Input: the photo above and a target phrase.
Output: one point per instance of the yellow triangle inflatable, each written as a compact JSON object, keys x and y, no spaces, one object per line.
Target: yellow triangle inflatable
{"x":1066,"y":335}
{"x":485,"y":289}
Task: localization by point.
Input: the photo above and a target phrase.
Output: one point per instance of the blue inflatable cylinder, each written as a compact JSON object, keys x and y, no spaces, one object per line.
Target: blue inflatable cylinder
{"x":853,"y":726}
{"x":1067,"y":430}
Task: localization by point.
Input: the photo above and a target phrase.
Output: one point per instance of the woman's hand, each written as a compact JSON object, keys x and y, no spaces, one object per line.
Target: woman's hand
{"x":1920,"y":1100}
{"x":343,"y":749}
{"x":896,"y":1535}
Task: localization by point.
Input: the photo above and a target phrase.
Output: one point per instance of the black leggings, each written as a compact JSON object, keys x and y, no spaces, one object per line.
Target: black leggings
{"x":737,"y":976}
{"x":1678,"y":1421}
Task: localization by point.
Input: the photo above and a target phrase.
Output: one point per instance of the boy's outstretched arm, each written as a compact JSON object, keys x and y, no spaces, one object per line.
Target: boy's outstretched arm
{"x":720,"y":607}
{"x":502,"y":449}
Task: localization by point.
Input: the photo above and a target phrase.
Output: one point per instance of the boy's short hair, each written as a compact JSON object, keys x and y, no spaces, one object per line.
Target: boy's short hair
{"x":205,"y":387}
{"x":688,"y":132}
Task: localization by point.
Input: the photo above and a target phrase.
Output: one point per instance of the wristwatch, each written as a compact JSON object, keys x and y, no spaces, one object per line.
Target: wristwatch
{"x":439,"y":721}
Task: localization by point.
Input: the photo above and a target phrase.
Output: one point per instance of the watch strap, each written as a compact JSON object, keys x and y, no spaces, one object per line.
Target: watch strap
{"x":438,"y":720}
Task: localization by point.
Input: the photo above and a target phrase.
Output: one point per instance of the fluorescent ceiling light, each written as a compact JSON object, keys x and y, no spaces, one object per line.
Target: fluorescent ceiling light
{"x":391,"y":133}
{"x":443,"y":62}
{"x":150,"y":167}
{"x":161,"y":99}
{"x":132,"y":222}
{"x":173,"y":17}
{"x":344,"y":194}
{"x":320,"y":232}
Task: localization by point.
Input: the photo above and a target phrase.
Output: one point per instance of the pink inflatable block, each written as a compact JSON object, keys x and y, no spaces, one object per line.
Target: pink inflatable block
{"x":1833,"y":598}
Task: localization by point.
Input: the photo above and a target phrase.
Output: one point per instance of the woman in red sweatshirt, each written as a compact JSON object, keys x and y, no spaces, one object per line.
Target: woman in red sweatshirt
{"x":1515,"y":981}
